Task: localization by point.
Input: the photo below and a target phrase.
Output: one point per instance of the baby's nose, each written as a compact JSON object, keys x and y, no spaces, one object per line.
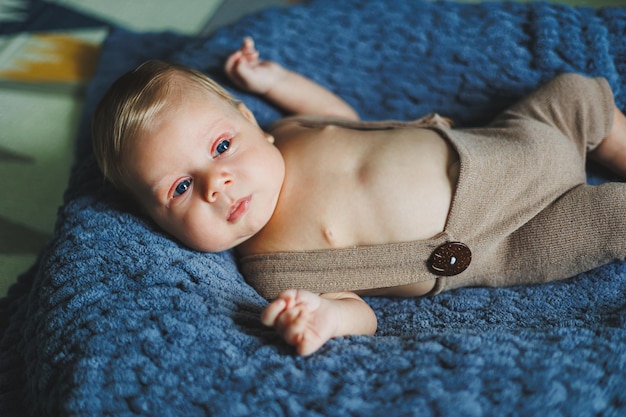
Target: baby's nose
{"x":216,"y":186}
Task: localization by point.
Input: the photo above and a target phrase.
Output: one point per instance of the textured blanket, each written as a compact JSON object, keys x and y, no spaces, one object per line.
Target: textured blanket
{"x":117,"y":319}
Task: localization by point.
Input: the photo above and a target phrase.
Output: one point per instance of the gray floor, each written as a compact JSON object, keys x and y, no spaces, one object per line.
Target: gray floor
{"x":232,"y":10}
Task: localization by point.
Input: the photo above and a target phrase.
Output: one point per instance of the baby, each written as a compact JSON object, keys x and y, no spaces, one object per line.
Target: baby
{"x":323,"y":209}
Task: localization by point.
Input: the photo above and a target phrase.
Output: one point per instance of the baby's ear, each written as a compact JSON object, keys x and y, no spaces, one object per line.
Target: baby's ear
{"x":243,"y":109}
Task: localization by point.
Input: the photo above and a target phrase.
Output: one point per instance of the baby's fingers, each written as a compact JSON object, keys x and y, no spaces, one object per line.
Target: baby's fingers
{"x":249,"y":53}
{"x":246,"y":52}
{"x":296,"y":332}
{"x":231,"y":61}
{"x":247,"y":47}
{"x":272,"y":312}
{"x":290,"y":325}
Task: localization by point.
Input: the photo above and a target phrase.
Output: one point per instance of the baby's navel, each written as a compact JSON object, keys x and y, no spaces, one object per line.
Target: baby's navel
{"x":328,"y":236}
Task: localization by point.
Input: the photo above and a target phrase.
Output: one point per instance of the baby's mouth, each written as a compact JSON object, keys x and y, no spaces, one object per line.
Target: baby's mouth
{"x":238,"y":209}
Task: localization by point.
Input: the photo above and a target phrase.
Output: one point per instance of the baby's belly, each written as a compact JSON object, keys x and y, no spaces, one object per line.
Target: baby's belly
{"x":373,"y":188}
{"x":400,"y":203}
{"x":396,"y":196}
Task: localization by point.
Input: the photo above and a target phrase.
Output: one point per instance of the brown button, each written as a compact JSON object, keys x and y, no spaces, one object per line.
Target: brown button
{"x":450,"y":259}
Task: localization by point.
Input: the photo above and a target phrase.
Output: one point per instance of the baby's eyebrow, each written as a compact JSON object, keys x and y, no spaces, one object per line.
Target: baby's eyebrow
{"x":160,"y":189}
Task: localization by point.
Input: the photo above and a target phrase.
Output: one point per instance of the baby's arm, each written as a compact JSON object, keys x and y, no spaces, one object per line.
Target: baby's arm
{"x":307,"y":321}
{"x":291,"y":91}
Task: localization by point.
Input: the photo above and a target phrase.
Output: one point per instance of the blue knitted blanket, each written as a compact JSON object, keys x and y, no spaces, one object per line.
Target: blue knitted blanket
{"x":117,"y":319}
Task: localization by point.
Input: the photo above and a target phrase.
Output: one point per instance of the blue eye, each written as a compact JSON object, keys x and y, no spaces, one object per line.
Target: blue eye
{"x":182,"y":187}
{"x":221,"y":147}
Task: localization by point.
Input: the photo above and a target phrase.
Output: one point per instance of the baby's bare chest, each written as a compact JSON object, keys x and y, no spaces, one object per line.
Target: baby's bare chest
{"x":351,"y":188}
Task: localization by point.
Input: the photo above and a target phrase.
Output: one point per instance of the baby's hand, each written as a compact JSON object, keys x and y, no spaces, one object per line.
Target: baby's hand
{"x":250,"y":73}
{"x":305,"y":320}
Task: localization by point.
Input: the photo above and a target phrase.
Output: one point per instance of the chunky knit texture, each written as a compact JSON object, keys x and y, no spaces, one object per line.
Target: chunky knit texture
{"x":117,"y":319}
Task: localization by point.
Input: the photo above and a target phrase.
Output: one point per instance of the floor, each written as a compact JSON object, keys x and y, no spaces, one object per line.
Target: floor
{"x":38,"y":118}
{"x":232,"y":10}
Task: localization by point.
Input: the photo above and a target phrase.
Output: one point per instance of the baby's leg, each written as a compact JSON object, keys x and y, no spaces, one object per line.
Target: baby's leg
{"x":581,"y":108}
{"x":307,"y":321}
{"x":611,"y":152}
{"x":583,"y":229}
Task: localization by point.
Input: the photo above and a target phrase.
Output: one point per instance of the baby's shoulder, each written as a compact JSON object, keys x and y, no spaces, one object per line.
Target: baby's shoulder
{"x":302,"y":122}
{"x":284,"y":126}
{"x":307,"y":128}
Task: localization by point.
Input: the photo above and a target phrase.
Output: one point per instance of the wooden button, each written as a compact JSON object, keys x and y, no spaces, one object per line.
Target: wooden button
{"x":451,"y":258}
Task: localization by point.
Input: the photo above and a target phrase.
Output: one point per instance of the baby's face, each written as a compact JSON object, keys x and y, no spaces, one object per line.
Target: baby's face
{"x":206,"y":173}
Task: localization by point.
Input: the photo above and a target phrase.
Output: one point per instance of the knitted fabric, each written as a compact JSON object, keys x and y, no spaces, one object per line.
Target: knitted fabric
{"x":118,"y":319}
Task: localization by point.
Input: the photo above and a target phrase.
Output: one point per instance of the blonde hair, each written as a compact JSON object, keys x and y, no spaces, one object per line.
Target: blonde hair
{"x":131,"y":106}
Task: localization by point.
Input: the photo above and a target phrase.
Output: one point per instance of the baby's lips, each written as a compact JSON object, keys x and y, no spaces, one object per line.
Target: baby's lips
{"x":238,"y":209}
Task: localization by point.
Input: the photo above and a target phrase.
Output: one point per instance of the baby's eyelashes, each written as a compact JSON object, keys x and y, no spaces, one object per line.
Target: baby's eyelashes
{"x":221,"y":147}
{"x":181,"y":188}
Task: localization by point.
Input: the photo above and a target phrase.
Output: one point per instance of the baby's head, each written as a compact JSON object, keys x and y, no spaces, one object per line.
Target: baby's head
{"x":133,"y":105}
{"x":193,"y":158}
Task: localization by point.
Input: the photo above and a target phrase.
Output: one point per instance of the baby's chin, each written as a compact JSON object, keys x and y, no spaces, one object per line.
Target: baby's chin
{"x":215,"y":247}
